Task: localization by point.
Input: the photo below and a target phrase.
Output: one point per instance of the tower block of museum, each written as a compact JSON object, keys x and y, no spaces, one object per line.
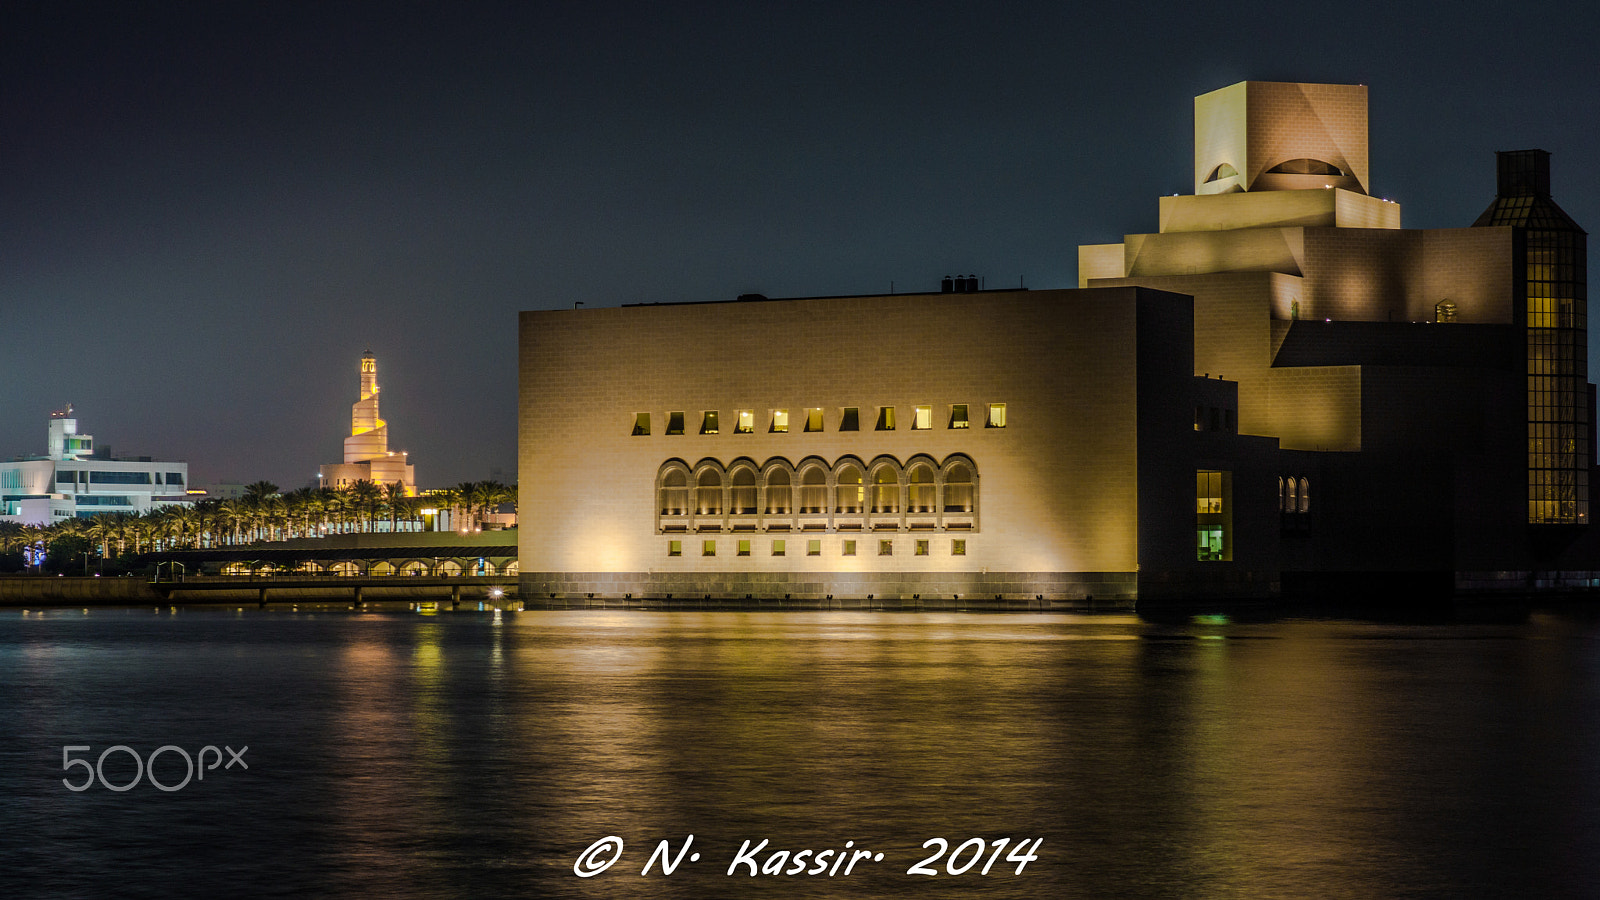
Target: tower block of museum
{"x":367,"y":456}
{"x":1436,"y":379}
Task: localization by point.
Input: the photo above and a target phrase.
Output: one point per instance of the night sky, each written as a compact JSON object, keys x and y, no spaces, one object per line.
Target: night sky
{"x":207,"y":213}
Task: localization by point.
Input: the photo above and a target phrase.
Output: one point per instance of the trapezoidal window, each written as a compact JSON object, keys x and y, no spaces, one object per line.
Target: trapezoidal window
{"x":708,"y":494}
{"x":1221,"y":172}
{"x":849,"y":490}
{"x":744,"y":492}
{"x":850,"y":419}
{"x":997,"y":415}
{"x":923,"y":419}
{"x":674,"y":494}
{"x":885,"y":418}
{"x":920,"y":490}
{"x":641,"y":424}
{"x":674,"y":423}
{"x":708,"y":424}
{"x":780,"y":421}
{"x":814,"y":491}
{"x":1304,"y":166}
{"x":958,"y":416}
{"x":779,"y":493}
{"x":747,"y":422}
{"x":813,"y":419}
{"x":958,"y":489}
{"x":885,"y":491}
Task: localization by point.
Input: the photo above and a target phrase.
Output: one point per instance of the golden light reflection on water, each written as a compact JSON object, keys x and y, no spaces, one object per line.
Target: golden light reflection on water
{"x":463,"y":755}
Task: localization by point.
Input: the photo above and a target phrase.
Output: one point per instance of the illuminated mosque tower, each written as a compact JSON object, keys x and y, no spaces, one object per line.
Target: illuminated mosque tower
{"x":367,"y":456}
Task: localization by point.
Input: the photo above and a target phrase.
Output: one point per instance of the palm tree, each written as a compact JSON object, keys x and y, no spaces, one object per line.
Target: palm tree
{"x":366,"y":496}
{"x":393,"y":496}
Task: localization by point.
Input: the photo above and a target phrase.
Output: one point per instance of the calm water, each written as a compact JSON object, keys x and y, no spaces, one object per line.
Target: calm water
{"x":478,"y":755}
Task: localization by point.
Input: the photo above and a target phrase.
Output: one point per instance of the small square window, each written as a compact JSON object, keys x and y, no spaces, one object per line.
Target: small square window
{"x":747,"y":422}
{"x":958,"y":547}
{"x":885,"y":418}
{"x":922,"y":548}
{"x":849,"y":548}
{"x":708,"y":425}
{"x":780,"y":421}
{"x":641,"y":424}
{"x":674,"y":423}
{"x":997,"y":415}
{"x":813,"y":420}
{"x":814,"y":547}
{"x":850,"y":419}
{"x":886,"y":548}
{"x":744,"y":548}
{"x":674,"y":548}
{"x":923,"y":420}
{"x":708,"y":548}
{"x":958,"y":416}
{"x":777,"y":548}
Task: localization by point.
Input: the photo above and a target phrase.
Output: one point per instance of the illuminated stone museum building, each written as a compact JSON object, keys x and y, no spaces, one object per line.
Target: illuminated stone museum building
{"x":1279,"y":391}
{"x":367,"y":456}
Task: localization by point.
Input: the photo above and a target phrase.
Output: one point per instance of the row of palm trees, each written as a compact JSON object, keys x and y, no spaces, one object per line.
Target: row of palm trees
{"x":263,"y":513}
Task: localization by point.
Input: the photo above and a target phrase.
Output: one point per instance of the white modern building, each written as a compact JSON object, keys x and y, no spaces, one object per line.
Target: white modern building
{"x":74,"y":480}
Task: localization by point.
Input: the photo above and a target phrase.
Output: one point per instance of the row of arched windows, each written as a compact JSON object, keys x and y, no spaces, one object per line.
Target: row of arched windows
{"x":922,"y":492}
{"x":1294,"y":494}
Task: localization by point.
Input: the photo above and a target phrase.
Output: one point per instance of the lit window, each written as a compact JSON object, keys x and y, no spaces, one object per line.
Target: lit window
{"x":849,"y":548}
{"x":848,"y":493}
{"x":708,"y":425}
{"x":813,"y":420}
{"x":708,"y":494}
{"x":885,"y":418}
{"x":1305,"y":495}
{"x":708,"y":548}
{"x":814,"y":491}
{"x":744,"y":548}
{"x":850,"y":419}
{"x":922,"y":548}
{"x":920,"y":490}
{"x":675,"y":494}
{"x":674,"y":548}
{"x":923,"y":420}
{"x":744,"y":492}
{"x":1214,"y":514}
{"x":886,"y":548}
{"x":780,"y":421}
{"x":777,"y":548}
{"x":958,"y":416}
{"x":997,"y":415}
{"x":778,"y":493}
{"x":674,"y":423}
{"x":958,"y":547}
{"x":814,"y":547}
{"x":641,"y":423}
{"x":885,"y":491}
{"x":747,"y":422}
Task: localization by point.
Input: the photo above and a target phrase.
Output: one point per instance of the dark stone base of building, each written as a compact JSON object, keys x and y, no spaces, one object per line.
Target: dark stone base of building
{"x":823,"y":590}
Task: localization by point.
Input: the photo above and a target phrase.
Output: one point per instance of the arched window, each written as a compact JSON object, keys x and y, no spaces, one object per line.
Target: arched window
{"x":1280,"y":493}
{"x":509,"y":568}
{"x":920,"y":491}
{"x":849,"y":492}
{"x":1290,"y":495}
{"x":814,"y":491}
{"x":1305,"y":166}
{"x":708,"y":494}
{"x":1305,"y":495}
{"x":449,"y":567}
{"x":744,"y":492}
{"x":383,"y":567}
{"x":958,"y":489}
{"x":675,"y":493}
{"x":779,"y":493}
{"x":885,"y":491}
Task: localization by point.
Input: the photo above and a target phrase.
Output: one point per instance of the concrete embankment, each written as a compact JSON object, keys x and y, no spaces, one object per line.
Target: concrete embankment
{"x":41,"y":590}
